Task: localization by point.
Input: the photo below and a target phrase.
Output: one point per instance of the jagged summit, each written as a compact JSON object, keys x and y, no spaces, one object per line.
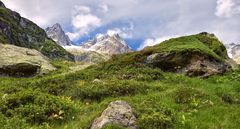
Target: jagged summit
{"x":58,"y":35}
{"x":107,"y":44}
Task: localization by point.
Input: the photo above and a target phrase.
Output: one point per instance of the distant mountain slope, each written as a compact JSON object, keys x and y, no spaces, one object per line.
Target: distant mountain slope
{"x":58,"y":35}
{"x":22,"y":32}
{"x":99,"y":49}
{"x":89,"y":57}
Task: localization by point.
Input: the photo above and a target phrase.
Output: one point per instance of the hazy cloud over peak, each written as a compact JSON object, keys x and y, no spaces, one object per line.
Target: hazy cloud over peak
{"x":227,"y":8}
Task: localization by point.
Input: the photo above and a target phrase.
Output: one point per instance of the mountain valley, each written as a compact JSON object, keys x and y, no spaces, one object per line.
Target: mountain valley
{"x":49,"y":82}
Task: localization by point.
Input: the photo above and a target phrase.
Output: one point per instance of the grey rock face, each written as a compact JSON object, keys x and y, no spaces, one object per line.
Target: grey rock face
{"x":107,"y":44}
{"x":191,"y":64}
{"x":2,"y":5}
{"x":58,"y":35}
{"x":118,"y":112}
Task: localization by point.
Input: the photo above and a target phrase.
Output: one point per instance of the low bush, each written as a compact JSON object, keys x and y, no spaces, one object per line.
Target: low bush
{"x":187,"y":95}
{"x":161,"y":118}
{"x":113,"y":126}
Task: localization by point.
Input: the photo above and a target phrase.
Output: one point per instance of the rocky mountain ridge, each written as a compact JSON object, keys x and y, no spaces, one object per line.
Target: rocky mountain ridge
{"x":99,"y":49}
{"x":95,"y":50}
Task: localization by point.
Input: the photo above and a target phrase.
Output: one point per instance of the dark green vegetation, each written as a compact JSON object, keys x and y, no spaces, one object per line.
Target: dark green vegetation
{"x":21,"y":32}
{"x":159,"y":99}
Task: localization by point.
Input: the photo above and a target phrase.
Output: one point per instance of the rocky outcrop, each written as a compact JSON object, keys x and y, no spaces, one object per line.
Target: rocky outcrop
{"x":118,"y":112}
{"x":22,"y":62}
{"x":108,"y":44}
{"x":191,"y":64}
{"x":22,"y":32}
{"x":195,"y":55}
{"x":58,"y":35}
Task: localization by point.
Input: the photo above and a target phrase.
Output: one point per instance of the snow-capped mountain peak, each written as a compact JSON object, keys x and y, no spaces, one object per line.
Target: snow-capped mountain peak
{"x":107,"y":44}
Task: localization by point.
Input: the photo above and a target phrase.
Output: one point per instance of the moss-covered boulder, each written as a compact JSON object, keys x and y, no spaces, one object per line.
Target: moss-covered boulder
{"x":196,"y":55}
{"x":22,"y":62}
{"x":22,"y":32}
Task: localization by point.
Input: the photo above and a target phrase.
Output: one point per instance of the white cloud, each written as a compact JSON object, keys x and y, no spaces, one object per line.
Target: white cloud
{"x":121,"y":32}
{"x":226,"y":8}
{"x":104,"y":7}
{"x":154,"y":41}
{"x":83,"y":22}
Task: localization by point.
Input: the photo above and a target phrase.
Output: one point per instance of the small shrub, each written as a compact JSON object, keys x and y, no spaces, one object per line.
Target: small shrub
{"x":187,"y":95}
{"x":113,"y":126}
{"x":140,"y":74}
{"x":231,"y":99}
{"x":156,"y":119}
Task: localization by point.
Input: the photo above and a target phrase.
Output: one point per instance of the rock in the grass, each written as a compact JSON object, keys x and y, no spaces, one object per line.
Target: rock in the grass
{"x":97,"y":81}
{"x":117,"y":112}
{"x":22,"y":62}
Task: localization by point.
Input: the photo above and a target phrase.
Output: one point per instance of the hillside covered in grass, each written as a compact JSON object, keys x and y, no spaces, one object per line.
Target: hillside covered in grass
{"x":161,"y":97}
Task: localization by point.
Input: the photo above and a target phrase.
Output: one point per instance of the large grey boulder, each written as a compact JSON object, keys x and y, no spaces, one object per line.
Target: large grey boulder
{"x":22,"y":62}
{"x":118,"y":112}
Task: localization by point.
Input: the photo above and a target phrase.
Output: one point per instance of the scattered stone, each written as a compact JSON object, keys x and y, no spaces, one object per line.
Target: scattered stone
{"x":97,"y":81}
{"x":118,"y":112}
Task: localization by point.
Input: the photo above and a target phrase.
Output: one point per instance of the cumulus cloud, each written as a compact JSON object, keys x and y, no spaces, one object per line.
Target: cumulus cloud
{"x":83,"y":21}
{"x":154,"y":41}
{"x":125,"y":32}
{"x":227,"y":8}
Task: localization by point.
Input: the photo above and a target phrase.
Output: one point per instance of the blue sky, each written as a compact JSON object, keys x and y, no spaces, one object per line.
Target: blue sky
{"x":140,"y":22}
